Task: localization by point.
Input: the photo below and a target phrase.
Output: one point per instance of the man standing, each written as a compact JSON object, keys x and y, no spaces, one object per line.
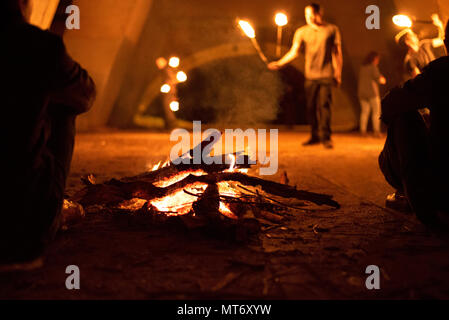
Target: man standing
{"x":321,"y":44}
{"x":42,"y":93}
{"x":415,"y":159}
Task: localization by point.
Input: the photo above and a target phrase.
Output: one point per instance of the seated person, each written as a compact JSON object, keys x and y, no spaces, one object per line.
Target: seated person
{"x":43,"y":90}
{"x":415,"y":159}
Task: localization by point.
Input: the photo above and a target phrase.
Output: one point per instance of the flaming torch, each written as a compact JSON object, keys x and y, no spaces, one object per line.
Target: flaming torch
{"x":404,"y":21}
{"x":281,"y":20}
{"x":250,"y":33}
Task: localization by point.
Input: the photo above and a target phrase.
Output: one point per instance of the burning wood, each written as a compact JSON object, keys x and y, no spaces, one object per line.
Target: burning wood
{"x":203,"y":194}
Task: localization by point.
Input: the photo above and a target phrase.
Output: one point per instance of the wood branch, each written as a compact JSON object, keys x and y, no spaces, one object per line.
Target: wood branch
{"x":279,"y":189}
{"x":146,"y":190}
{"x":173,"y":170}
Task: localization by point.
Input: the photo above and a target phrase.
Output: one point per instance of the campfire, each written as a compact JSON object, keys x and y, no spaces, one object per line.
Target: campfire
{"x":202,"y":194}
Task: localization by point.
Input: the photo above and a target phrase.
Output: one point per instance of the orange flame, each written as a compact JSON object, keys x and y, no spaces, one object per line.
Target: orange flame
{"x":401,"y":20}
{"x":247,"y":29}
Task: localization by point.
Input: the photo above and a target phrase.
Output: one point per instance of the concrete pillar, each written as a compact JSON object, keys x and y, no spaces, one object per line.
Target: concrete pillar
{"x":43,"y":13}
{"x":109,"y":32}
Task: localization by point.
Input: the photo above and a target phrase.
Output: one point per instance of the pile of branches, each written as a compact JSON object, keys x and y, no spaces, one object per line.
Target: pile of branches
{"x":258,"y":199}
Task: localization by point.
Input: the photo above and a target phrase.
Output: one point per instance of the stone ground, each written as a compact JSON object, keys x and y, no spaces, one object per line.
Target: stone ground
{"x":319,"y":255}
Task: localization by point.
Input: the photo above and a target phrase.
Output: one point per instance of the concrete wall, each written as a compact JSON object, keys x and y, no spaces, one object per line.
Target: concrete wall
{"x":43,"y":13}
{"x":187,"y":28}
{"x":119,"y":41}
{"x":110,"y":30}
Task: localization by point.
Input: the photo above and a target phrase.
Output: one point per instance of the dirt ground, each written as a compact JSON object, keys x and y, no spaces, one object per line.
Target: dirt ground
{"x":320,"y":255}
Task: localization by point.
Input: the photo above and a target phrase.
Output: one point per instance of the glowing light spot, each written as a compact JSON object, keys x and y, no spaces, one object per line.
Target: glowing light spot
{"x":181,"y":76}
{"x":165,"y":88}
{"x":174,"y":106}
{"x":174,"y":62}
{"x":281,"y":19}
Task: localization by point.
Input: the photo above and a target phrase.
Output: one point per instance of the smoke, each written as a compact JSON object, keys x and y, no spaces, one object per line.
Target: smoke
{"x":241,"y":91}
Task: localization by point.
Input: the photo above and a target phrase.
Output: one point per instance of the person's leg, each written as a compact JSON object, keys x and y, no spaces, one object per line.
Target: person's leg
{"x":312,"y":91}
{"x":364,"y":113}
{"x":60,"y":145}
{"x":324,"y":107}
{"x":35,"y":199}
{"x":406,"y":164}
{"x":375,"y":114}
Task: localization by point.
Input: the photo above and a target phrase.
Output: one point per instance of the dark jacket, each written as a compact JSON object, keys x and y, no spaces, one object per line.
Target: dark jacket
{"x":429,"y":89}
{"x":39,"y":79}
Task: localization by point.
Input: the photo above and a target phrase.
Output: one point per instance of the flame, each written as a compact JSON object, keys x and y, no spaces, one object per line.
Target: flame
{"x":174,"y":106}
{"x":166,"y":164}
{"x":180,"y":176}
{"x":247,"y":29}
{"x":165,"y":88}
{"x":401,"y":20}
{"x":156,"y":167}
{"x":224,"y":210}
{"x":132,"y":205}
{"x":181,"y":76}
{"x":174,"y":62}
{"x":178,"y":203}
{"x":281,"y":19}
{"x":232,"y":166}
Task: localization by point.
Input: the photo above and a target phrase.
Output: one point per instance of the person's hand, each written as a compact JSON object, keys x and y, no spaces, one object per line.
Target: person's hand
{"x":274,"y":65}
{"x":437,"y":21}
{"x":337,"y":80}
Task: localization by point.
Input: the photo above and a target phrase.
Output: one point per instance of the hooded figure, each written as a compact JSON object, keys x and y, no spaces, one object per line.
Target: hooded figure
{"x":42,"y":92}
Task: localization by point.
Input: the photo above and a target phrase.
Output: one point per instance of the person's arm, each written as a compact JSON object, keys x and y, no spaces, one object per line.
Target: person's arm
{"x":411,"y":68}
{"x":291,"y":55}
{"x":337,"y":57}
{"x":72,"y":87}
{"x":415,"y":94}
{"x":438,"y":41}
{"x":378,"y":77}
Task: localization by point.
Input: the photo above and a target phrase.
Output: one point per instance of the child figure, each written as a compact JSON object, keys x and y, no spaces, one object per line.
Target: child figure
{"x":368,"y":92}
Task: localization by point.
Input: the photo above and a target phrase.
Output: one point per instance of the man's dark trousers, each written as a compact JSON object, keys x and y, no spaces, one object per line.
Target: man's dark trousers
{"x":319,"y":99}
{"x":406,"y":163}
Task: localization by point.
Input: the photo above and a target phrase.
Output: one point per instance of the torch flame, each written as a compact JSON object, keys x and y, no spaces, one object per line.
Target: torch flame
{"x":181,"y":76}
{"x":174,"y":62}
{"x":165,"y":88}
{"x":247,"y":29}
{"x":174,"y":106}
{"x":281,"y":19}
{"x":401,"y":20}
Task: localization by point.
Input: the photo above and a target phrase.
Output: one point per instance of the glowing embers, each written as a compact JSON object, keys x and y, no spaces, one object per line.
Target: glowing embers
{"x":165,"y":182}
{"x":180,"y":202}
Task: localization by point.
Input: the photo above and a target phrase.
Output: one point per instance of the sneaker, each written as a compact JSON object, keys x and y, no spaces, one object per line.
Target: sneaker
{"x":311,"y":142}
{"x":328,"y":144}
{"x":398,"y":201}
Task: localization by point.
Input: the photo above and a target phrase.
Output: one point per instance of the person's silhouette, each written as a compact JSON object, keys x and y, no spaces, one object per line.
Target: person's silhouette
{"x":42,"y":92}
{"x":415,"y":159}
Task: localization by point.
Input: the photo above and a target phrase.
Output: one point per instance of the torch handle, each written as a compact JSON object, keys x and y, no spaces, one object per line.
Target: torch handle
{"x":424,"y":21}
{"x":259,"y":51}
